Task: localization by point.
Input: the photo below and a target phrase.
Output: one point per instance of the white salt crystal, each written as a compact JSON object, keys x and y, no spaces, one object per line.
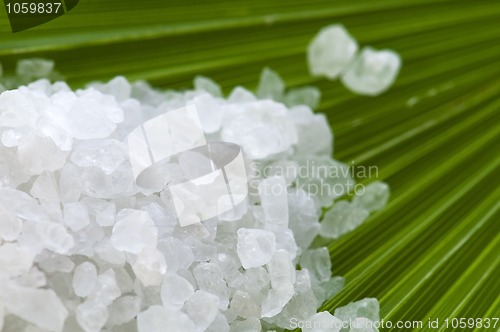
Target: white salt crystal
{"x":372,"y":72}
{"x":374,"y":198}
{"x":271,"y":86}
{"x":76,"y":216}
{"x":255,"y":247}
{"x":106,"y":289}
{"x":308,"y":96}
{"x":243,"y":305}
{"x":134,"y":232}
{"x":202,"y":308}
{"x":219,"y":324}
{"x":15,"y":260}
{"x":281,"y":269}
{"x":318,"y":262}
{"x":150,"y":266}
{"x":247,"y":325}
{"x":178,"y":254}
{"x":34,"y":68}
{"x":51,"y":263}
{"x":10,"y":226}
{"x":322,"y":322}
{"x":368,"y":308}
{"x":261,"y":128}
{"x":274,"y":202}
{"x":209,"y":277}
{"x":40,"y":307}
{"x":331,"y":51}
{"x":70,"y":185}
{"x":38,"y":154}
{"x":156,"y":318}
{"x":303,"y":217}
{"x":45,"y":187}
{"x":342,"y":218}
{"x":175,"y":290}
{"x":315,"y":135}
{"x":17,"y":109}
{"x":84,"y":279}
{"x":123,"y":310}
{"x":206,"y":84}
{"x":276,"y":299}
{"x":91,"y":316}
{"x":106,"y":154}
{"x":119,"y":87}
{"x":240,"y":95}
{"x":210,"y":112}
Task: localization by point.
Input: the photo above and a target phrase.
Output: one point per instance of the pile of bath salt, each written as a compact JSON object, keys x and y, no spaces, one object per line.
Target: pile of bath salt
{"x":84,"y":248}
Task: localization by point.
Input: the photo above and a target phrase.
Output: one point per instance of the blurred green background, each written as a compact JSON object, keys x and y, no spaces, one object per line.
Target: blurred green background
{"x":434,"y":252}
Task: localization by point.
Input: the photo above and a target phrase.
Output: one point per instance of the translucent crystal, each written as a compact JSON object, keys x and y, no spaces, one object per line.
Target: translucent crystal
{"x":91,"y":316}
{"x":124,"y":310}
{"x":261,"y":128}
{"x":247,"y":325}
{"x":318,"y":262}
{"x":76,"y":216}
{"x":107,"y":154}
{"x":134,"y":232}
{"x":331,"y":51}
{"x":372,"y":72}
{"x":255,"y":247}
{"x":308,"y":96}
{"x":362,"y":324}
{"x":303,"y":217}
{"x":322,"y":322}
{"x":34,"y":68}
{"x":175,"y":290}
{"x":156,"y":318}
{"x":202,"y":307}
{"x":150,"y":266}
{"x":342,"y":218}
{"x":38,"y":154}
{"x":274,"y":202}
{"x":374,"y":198}
{"x":315,"y":135}
{"x":41,"y":307}
{"x":271,"y":86}
{"x":208,"y":85}
{"x":368,"y":308}
{"x":84,"y":279}
{"x":243,"y":305}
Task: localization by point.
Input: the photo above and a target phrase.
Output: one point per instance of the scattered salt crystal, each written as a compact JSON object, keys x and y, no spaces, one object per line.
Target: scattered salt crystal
{"x":374,"y":198}
{"x":331,"y":51}
{"x":318,"y":262}
{"x":34,"y":68}
{"x":368,"y":308}
{"x":342,"y":218}
{"x":255,"y":247}
{"x":107,"y":154}
{"x":322,"y":322}
{"x":372,"y":72}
